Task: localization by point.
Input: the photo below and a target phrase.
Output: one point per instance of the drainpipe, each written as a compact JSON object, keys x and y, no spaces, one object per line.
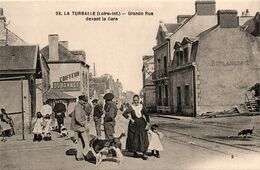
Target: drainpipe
{"x":194,"y":90}
{"x":168,"y":67}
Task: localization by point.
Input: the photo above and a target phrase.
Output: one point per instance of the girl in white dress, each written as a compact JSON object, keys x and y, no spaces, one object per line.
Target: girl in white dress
{"x":155,"y":144}
{"x":47,"y":128}
{"x":38,"y":127}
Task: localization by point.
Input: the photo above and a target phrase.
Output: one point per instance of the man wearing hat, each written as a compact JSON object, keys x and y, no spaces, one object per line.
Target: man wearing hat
{"x":78,"y":125}
{"x":110,"y":114}
{"x":98,"y":112}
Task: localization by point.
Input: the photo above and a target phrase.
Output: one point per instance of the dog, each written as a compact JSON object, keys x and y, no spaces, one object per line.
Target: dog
{"x":245,"y":132}
{"x":101,"y":148}
{"x":63,"y":131}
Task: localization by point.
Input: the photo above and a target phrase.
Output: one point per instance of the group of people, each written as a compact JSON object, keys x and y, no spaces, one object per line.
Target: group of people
{"x":44,"y":123}
{"x":141,"y":137}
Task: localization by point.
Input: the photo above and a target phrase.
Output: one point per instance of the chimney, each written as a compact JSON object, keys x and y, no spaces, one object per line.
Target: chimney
{"x":64,"y":44}
{"x":181,"y":18}
{"x":53,"y":47}
{"x":2,"y":17}
{"x":207,"y":7}
{"x":257,"y":24}
{"x":227,"y":18}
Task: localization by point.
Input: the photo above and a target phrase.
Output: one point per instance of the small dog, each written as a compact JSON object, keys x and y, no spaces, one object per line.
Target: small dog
{"x":63,"y":131}
{"x":101,"y":147}
{"x":245,"y":132}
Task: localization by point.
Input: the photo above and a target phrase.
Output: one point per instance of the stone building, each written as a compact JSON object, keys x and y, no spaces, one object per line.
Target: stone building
{"x":214,"y":70}
{"x":167,"y":35}
{"x":103,"y":84}
{"x":20,"y":67}
{"x":69,"y":71}
{"x":148,"y":91}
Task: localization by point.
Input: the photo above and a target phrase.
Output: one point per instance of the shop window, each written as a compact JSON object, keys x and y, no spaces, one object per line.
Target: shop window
{"x":187,"y":95}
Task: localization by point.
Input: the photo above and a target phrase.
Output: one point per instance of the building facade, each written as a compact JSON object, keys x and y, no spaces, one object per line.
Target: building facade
{"x":167,"y":35}
{"x":214,"y":70}
{"x":103,"y":84}
{"x":68,"y":69}
{"x":148,"y":91}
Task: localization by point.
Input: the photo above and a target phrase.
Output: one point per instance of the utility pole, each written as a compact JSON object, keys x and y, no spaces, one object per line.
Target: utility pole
{"x":94,"y":70}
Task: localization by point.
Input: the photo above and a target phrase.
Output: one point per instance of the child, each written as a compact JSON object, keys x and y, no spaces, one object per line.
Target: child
{"x":155,"y":144}
{"x":38,"y":127}
{"x":47,"y":127}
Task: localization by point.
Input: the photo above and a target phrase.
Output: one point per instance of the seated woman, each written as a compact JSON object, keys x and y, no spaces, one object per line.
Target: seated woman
{"x":6,"y":122}
{"x":137,"y":137}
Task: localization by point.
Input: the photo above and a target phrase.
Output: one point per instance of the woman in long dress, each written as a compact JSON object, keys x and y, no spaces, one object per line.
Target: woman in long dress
{"x":137,"y":137}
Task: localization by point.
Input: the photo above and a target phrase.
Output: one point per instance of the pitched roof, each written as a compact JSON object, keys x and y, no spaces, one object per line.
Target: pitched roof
{"x":206,"y":32}
{"x":187,"y":40}
{"x":171,"y":28}
{"x":182,"y":24}
{"x":18,"y":58}
{"x":56,"y":94}
{"x":63,"y":52}
{"x":177,"y":45}
{"x":249,"y":25}
{"x":12,"y":38}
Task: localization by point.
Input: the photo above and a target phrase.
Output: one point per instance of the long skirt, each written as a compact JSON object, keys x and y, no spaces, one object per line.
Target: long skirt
{"x":137,"y":137}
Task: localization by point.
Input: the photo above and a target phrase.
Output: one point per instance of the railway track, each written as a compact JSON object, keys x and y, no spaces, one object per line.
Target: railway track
{"x":213,"y":126}
{"x":206,"y":140}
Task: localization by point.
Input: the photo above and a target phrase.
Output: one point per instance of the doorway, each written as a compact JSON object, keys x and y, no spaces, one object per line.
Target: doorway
{"x":179,"y":108}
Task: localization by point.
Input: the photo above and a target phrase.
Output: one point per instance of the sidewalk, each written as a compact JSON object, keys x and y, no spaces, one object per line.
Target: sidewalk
{"x":175,"y":117}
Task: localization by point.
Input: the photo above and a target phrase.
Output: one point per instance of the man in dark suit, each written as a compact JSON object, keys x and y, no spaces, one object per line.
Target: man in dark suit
{"x":110,"y":114}
{"x":59,"y":110}
{"x":98,"y":112}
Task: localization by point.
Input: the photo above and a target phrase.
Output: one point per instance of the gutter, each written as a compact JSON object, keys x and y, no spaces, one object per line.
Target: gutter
{"x":194,"y":90}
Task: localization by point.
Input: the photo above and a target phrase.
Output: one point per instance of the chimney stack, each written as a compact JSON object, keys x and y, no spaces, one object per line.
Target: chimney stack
{"x":227,"y":18}
{"x":64,"y":44}
{"x":181,"y":18}
{"x":54,"y":47}
{"x":207,"y":7}
{"x":257,"y":24}
{"x":2,"y":17}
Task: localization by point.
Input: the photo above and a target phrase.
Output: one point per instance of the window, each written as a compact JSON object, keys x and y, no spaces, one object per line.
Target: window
{"x":160,"y":96}
{"x":166,"y":96}
{"x":165,"y":65}
{"x":177,"y":58}
{"x":181,"y":57}
{"x":186,"y":56}
{"x":187,"y":95}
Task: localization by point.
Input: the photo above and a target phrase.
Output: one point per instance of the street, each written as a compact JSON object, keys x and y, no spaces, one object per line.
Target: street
{"x":188,"y":143}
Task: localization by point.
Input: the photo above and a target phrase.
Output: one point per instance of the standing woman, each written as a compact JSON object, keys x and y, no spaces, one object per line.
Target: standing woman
{"x":137,"y":137}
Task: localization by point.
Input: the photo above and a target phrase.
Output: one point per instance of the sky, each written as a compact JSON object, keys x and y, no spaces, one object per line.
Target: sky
{"x":116,"y":47}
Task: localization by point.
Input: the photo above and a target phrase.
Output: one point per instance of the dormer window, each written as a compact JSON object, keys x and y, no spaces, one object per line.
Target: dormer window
{"x":179,"y":57}
{"x":185,"y":56}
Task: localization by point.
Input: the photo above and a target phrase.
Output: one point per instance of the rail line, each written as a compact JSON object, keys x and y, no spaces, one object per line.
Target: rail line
{"x":207,"y":140}
{"x":227,"y":128}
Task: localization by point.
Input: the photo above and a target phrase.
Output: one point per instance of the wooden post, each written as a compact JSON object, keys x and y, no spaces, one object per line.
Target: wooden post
{"x":22,"y":108}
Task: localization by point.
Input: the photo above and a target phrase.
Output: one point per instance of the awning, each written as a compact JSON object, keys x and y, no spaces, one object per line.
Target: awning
{"x":56,"y":94}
